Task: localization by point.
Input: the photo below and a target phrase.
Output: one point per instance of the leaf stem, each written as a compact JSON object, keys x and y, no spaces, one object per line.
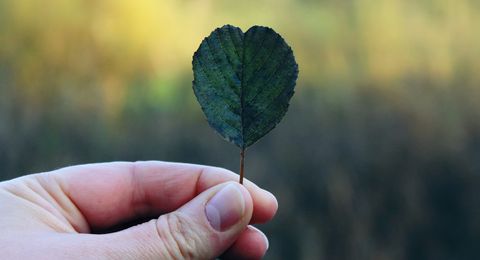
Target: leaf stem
{"x":242,"y":162}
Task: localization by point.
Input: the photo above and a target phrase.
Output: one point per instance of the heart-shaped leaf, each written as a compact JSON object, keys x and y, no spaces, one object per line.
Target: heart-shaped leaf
{"x":244,"y":81}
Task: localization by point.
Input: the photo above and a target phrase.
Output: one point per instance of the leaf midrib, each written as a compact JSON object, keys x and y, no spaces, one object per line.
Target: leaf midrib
{"x":242,"y":89}
{"x":242,"y":94}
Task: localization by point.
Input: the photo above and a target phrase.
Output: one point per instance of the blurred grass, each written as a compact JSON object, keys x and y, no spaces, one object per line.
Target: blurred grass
{"x":378,"y":157}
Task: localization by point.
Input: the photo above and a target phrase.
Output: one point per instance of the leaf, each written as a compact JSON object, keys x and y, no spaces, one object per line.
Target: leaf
{"x":244,"y":81}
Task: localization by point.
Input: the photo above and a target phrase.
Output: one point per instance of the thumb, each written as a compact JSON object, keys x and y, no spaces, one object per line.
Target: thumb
{"x":203,"y":228}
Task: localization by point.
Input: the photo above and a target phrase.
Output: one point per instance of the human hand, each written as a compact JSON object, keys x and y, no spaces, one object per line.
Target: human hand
{"x":183,"y":211}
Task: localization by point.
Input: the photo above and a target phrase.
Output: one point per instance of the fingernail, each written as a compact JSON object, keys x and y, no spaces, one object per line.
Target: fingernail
{"x":225,"y":208}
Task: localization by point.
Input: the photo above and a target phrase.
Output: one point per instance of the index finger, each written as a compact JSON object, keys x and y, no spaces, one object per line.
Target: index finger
{"x":108,"y":194}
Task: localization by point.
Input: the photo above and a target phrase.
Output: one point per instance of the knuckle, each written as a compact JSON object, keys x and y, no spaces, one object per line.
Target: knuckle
{"x":180,"y":239}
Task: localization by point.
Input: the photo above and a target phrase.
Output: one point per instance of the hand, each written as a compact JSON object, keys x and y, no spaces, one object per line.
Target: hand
{"x":182,"y":211}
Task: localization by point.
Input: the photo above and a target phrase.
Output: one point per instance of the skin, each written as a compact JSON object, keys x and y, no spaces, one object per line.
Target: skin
{"x":124,"y":210}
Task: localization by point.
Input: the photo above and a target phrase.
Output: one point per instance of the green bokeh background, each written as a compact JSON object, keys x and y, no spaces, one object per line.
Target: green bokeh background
{"x":378,"y":157}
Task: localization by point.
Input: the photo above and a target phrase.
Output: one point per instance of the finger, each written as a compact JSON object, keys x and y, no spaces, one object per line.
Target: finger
{"x":251,"y":244}
{"x":203,"y":228}
{"x":108,"y":194}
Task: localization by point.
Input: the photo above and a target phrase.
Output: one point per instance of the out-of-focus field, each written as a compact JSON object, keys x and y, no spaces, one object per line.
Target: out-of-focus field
{"x":378,"y":157}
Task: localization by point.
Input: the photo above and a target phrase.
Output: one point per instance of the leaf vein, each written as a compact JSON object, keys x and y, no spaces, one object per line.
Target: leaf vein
{"x":210,"y":82}
{"x":230,"y":63}
{"x":217,"y":67}
{"x":279,"y":66}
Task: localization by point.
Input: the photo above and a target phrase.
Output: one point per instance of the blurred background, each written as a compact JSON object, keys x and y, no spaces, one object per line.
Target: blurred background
{"x":377,"y":158}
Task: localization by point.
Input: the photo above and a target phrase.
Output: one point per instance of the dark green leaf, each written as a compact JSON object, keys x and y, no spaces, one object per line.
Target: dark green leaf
{"x":244,"y":81}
